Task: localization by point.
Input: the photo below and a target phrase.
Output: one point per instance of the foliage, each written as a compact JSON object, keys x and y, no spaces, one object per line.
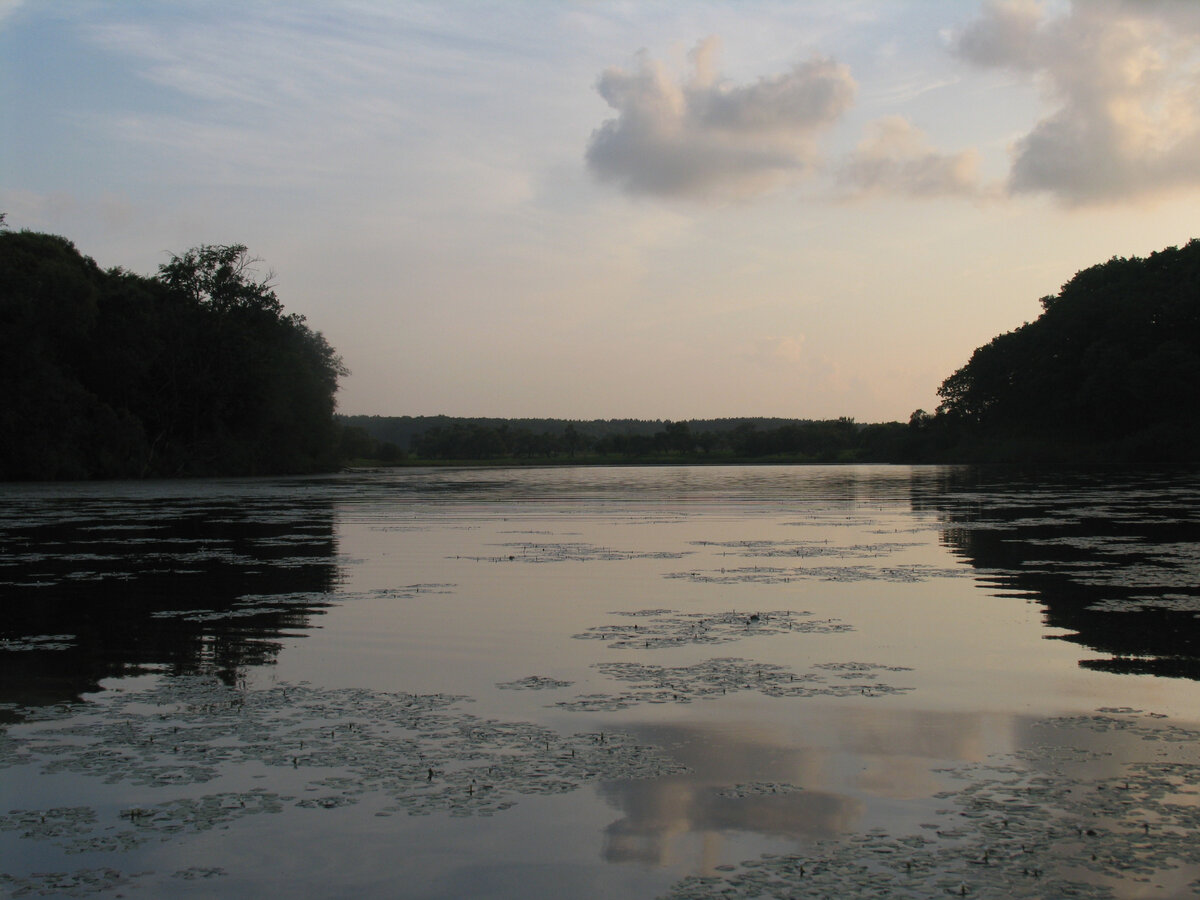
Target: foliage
{"x":837,"y":440}
{"x":196,"y":371}
{"x":1110,"y":368}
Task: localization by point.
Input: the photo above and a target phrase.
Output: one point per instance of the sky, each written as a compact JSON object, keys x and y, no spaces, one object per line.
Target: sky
{"x":588,"y":209}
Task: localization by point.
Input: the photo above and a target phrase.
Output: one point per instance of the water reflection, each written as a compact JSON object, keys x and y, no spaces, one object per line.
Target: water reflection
{"x":116,"y":583}
{"x":835,"y":771}
{"x":1114,"y":558}
{"x":440,"y":587}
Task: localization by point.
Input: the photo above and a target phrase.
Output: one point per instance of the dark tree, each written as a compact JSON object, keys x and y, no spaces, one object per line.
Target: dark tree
{"x":196,"y":371}
{"x":1112,"y":362}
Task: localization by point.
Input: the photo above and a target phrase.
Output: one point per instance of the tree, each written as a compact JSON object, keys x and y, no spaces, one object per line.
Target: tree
{"x":196,"y":371}
{"x":266,"y":382}
{"x":1113,"y":358}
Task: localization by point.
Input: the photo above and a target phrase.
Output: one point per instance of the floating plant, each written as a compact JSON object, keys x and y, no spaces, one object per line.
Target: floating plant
{"x":192,"y":873}
{"x":727,"y":675}
{"x":81,"y":882}
{"x":61,"y":821}
{"x":758,"y":789}
{"x":533,"y":683}
{"x":527,"y":552}
{"x":308,"y":602}
{"x":421,"y":751}
{"x":658,"y":628}
{"x":804,"y":549}
{"x":1026,"y":825}
{"x":783,"y":574}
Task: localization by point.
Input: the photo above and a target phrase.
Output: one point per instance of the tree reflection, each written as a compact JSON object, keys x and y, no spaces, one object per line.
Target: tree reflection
{"x":162,"y":584}
{"x":1112,"y":557}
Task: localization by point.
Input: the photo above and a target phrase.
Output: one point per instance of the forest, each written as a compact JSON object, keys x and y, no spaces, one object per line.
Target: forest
{"x":1108,"y":373}
{"x":198,"y":370}
{"x":443,"y":439}
{"x":194,"y":371}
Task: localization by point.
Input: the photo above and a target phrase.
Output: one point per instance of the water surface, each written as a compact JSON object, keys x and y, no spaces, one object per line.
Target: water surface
{"x":625,"y":682}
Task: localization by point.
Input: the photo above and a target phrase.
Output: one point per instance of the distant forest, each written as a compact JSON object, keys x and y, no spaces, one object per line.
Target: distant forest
{"x":1109,"y":373}
{"x":442,"y":438}
{"x":198,"y":370}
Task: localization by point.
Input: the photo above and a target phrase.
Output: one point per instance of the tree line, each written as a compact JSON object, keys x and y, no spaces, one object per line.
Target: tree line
{"x":836,"y":440}
{"x":196,"y":370}
{"x":1108,"y":373}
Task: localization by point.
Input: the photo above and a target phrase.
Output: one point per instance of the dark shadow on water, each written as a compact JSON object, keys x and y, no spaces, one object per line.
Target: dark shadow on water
{"x":1113,"y":557}
{"x":100,"y":586}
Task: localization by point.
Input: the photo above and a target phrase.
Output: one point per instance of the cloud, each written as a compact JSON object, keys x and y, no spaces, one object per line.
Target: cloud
{"x":1124,"y":78}
{"x":700,"y":136}
{"x":896,"y":158}
{"x":8,"y":7}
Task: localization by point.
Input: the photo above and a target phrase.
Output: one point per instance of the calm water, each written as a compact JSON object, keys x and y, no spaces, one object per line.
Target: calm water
{"x":626,"y":682}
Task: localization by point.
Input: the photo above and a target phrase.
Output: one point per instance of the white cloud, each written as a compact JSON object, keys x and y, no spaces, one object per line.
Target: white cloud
{"x":700,"y":136}
{"x":895,"y":157}
{"x":1124,"y":77}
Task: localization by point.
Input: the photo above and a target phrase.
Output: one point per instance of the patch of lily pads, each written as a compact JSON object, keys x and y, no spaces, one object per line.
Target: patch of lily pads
{"x":571,"y":551}
{"x":79,"y":883}
{"x":657,"y":628}
{"x":419,"y":754}
{"x":758,"y":789}
{"x":909,"y":573}
{"x":533,"y":683}
{"x":1033,"y":824}
{"x":250,"y":605}
{"x":728,"y":675}
{"x":804,"y":549}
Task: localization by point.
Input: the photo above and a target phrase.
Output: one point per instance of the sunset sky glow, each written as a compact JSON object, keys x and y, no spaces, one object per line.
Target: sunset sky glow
{"x":618,"y":209}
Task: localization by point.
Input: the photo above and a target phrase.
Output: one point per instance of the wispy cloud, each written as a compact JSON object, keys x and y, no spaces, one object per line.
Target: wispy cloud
{"x":699,"y":136}
{"x":300,"y":96}
{"x":1124,"y":78}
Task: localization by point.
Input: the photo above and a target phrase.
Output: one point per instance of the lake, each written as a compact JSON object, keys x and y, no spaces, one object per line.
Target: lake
{"x":628,"y":682}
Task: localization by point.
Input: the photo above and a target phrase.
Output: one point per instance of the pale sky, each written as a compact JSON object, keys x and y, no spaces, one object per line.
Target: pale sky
{"x":617,"y":209}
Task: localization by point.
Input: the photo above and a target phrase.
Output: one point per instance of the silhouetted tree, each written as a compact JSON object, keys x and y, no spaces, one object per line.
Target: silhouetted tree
{"x":1113,"y":360}
{"x":196,"y":371}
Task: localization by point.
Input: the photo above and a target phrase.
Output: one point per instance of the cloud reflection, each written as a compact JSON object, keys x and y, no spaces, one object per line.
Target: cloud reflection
{"x":838,"y":776}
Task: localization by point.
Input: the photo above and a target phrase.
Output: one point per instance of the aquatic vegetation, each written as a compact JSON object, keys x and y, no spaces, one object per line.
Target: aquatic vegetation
{"x":805,"y":549}
{"x":308,"y":602}
{"x":160,"y":782}
{"x":758,"y":788}
{"x":727,"y":675}
{"x":527,"y":552}
{"x":66,"y":884}
{"x":62,"y":821}
{"x":911,"y":573}
{"x":1033,"y":824}
{"x":533,"y":683}
{"x":420,"y":752}
{"x":668,"y":628}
